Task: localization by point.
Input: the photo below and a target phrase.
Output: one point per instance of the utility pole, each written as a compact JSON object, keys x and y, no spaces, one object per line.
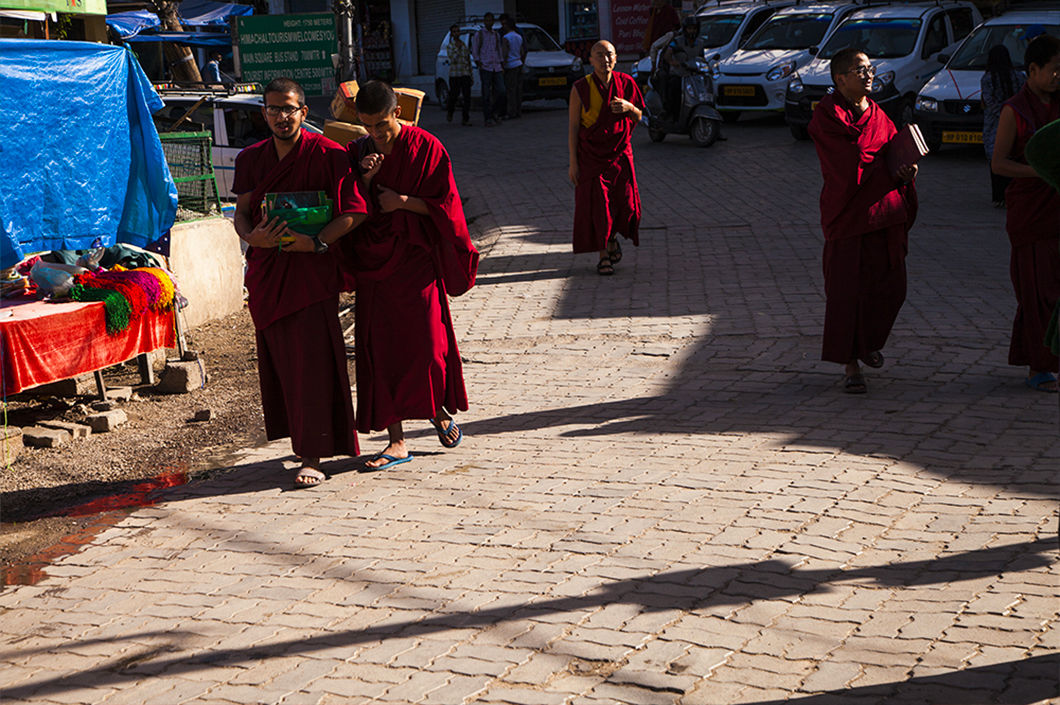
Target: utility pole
{"x":351,"y":58}
{"x":181,"y":61}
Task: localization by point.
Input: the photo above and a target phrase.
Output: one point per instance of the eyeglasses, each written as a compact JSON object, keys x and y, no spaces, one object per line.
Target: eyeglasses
{"x":864,"y":71}
{"x":285,"y":110}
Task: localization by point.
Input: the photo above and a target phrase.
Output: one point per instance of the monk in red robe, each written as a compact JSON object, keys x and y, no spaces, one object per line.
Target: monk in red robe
{"x":1033,"y":213}
{"x":605,"y":106}
{"x":411,"y":252}
{"x":866,"y":213}
{"x":294,"y":282}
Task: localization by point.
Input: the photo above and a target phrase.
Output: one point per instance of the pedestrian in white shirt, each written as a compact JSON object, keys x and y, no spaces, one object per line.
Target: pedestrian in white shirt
{"x":513,"y":66}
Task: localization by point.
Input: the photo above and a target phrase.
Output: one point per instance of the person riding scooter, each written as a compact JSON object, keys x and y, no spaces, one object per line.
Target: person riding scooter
{"x":678,"y":61}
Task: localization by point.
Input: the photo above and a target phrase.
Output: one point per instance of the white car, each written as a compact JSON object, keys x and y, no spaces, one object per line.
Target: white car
{"x":234,"y":119}
{"x":548,"y":71}
{"x":903,"y":41}
{"x":949,"y":109}
{"x":756,"y":76}
{"x":724,"y":27}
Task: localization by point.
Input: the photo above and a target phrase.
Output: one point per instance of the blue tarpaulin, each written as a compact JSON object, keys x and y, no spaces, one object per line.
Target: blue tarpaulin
{"x":192,"y":39}
{"x":204,"y":13}
{"x":80,"y":160}
{"x":141,"y":25}
{"x":129,"y":24}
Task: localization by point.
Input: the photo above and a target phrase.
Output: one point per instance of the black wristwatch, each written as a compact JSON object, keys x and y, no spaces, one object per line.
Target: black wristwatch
{"x":320,"y":247}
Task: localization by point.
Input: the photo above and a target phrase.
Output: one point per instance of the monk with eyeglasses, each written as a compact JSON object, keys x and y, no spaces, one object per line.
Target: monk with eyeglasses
{"x":866,"y":213}
{"x":293,"y":281}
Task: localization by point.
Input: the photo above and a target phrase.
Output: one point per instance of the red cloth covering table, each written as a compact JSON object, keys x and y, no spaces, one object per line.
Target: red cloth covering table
{"x":45,"y":342}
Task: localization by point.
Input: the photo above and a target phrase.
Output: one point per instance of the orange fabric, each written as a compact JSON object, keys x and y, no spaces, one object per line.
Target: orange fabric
{"x":45,"y":342}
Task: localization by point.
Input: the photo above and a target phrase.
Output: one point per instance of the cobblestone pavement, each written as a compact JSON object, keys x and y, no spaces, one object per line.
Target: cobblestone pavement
{"x":663,"y":495}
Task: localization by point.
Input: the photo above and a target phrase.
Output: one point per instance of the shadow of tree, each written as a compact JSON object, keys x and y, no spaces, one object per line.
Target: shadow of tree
{"x":686,"y":590}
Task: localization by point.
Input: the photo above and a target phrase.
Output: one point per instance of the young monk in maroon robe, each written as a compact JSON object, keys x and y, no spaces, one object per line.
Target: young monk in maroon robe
{"x":1033,"y":213}
{"x":294,"y":288}
{"x":411,"y":251}
{"x":605,"y":106}
{"x":866,"y":213}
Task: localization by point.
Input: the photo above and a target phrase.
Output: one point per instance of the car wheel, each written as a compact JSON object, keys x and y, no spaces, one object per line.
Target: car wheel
{"x":704,"y":131}
{"x":656,"y":135}
{"x":799,"y":132}
{"x":442,"y":90}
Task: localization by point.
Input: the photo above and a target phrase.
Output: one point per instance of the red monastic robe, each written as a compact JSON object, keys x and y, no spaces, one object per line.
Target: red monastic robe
{"x":293,"y":301}
{"x":606,"y":199}
{"x":1033,"y":225}
{"x":408,"y":364}
{"x":866,"y":214}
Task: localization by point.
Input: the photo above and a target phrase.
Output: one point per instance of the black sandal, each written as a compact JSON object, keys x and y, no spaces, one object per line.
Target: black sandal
{"x":873,"y":359}
{"x":854,"y":384}
{"x":603,"y":267}
{"x":615,"y":253}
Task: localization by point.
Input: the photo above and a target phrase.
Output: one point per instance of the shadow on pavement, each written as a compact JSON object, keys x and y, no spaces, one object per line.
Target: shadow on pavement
{"x":687,"y":590}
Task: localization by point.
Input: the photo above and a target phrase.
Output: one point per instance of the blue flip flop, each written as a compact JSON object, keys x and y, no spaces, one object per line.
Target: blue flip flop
{"x":1038,"y":380}
{"x":443,"y":434}
{"x":391,"y":462}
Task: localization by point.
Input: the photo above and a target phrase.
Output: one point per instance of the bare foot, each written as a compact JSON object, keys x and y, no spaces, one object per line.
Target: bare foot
{"x":309,"y":474}
{"x":448,"y":432}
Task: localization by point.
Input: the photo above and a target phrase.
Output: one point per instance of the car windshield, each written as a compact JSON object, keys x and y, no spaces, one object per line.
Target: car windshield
{"x":879,"y":39}
{"x":718,"y":30}
{"x":973,"y":52}
{"x":790,"y":32}
{"x":538,"y":40}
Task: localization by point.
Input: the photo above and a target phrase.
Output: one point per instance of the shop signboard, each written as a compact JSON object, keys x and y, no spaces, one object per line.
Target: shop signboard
{"x":78,"y":7}
{"x":629,"y":21}
{"x":295,"y":46}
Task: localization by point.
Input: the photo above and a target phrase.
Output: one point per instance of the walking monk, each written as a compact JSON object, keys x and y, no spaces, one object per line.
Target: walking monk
{"x":1033,"y":213}
{"x":411,"y":252}
{"x":294,"y":289}
{"x":605,"y":106}
{"x":866,"y":213}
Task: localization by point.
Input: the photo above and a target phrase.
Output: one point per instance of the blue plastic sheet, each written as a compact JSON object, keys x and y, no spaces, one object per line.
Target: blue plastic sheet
{"x":129,"y":24}
{"x":80,"y":160}
{"x":204,"y":13}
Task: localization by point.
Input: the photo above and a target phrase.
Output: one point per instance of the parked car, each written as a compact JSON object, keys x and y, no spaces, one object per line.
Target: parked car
{"x":725,"y":27}
{"x":548,"y":71}
{"x":949,"y":109}
{"x":903,"y":41}
{"x":230,"y":114}
{"x":755,"y":77}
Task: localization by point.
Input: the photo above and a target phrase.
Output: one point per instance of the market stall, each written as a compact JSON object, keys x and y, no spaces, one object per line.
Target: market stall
{"x":82,"y":169}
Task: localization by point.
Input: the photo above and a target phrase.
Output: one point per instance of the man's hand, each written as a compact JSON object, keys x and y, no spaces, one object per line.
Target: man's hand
{"x":907,"y":172}
{"x":370,"y":165}
{"x":619,"y":105}
{"x":390,"y":200}
{"x":301,"y":243}
{"x":572,"y":174}
{"x":267,"y":233}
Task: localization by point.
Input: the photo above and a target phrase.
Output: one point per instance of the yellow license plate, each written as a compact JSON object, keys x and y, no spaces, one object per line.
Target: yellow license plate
{"x":739,"y":90}
{"x":814,"y":104}
{"x":552,"y":81}
{"x":962,"y":137}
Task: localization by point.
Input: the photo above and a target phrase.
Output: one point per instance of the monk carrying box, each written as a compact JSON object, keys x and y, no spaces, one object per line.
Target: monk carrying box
{"x":410,"y":253}
{"x":294,"y":280}
{"x":866,"y":213}
{"x":605,"y":106}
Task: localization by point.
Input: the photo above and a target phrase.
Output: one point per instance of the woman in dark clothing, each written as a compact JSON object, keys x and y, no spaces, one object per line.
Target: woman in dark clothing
{"x":1000,"y":82}
{"x":1033,"y":218}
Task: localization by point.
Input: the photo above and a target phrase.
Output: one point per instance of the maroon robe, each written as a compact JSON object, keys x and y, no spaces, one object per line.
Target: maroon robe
{"x":866,"y":214}
{"x":1033,"y":225}
{"x":606,"y":199}
{"x":408,"y":364}
{"x":293,"y":301}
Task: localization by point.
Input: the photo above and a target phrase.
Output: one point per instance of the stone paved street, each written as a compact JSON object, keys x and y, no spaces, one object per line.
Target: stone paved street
{"x":663,"y":495}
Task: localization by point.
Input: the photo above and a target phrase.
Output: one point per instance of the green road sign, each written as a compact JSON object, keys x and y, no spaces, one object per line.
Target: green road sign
{"x":295,"y":46}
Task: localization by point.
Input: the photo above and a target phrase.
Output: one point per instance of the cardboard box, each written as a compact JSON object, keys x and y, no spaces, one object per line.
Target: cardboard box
{"x":343,"y":106}
{"x":343,"y":132}
{"x":410,"y":100}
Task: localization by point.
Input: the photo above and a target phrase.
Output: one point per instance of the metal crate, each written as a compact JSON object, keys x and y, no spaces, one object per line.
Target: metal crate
{"x":190,"y":159}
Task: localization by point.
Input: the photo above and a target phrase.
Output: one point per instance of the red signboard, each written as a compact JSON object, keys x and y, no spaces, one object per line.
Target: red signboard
{"x":629,"y":20}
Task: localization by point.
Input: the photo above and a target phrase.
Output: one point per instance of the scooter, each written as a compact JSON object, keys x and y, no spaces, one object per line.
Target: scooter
{"x":697,"y":118}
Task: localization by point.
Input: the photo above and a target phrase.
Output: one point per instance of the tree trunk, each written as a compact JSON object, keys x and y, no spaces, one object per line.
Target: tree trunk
{"x":181,"y":61}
